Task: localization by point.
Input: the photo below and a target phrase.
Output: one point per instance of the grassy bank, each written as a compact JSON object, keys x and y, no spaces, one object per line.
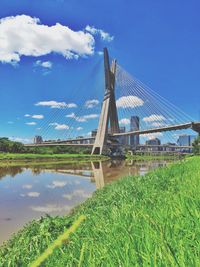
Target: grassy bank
{"x":25,"y":156}
{"x":151,"y":220}
{"x":15,"y":159}
{"x":153,"y":157}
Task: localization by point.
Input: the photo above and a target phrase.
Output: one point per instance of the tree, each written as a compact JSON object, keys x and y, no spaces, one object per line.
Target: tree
{"x":196,"y":146}
{"x":7,"y":145}
{"x":4,"y":144}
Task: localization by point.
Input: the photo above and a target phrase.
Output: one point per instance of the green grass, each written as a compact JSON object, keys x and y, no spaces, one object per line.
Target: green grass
{"x":14,"y":159}
{"x":151,"y":220}
{"x":15,"y":156}
{"x":154,"y":157}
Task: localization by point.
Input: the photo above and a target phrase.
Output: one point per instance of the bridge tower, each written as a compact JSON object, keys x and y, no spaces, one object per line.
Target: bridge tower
{"x":109,"y":109}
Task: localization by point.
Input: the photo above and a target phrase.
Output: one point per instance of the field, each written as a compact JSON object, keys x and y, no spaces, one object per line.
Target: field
{"x":151,"y":220}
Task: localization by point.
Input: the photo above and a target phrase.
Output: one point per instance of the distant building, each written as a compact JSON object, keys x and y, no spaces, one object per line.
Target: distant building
{"x":155,"y":143}
{"x":169,"y":147}
{"x":37,"y":139}
{"x":134,"y":126}
{"x":183,"y":140}
{"x":79,"y":141}
{"x":123,"y":139}
{"x":186,"y":140}
{"x":94,"y":133}
{"x":109,"y":130}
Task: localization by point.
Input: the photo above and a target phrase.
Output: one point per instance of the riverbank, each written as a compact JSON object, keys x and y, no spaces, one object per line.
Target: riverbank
{"x":15,"y":159}
{"x":139,"y":220}
{"x":25,"y":159}
{"x":154,"y":157}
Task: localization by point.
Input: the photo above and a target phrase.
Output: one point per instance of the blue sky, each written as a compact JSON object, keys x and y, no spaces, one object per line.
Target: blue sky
{"x":156,"y":41}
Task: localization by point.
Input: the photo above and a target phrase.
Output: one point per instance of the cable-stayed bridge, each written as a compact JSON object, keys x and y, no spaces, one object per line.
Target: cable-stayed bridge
{"x":126,"y":102}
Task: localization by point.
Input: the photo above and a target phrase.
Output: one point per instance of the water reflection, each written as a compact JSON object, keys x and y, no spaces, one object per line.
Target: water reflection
{"x":55,"y":189}
{"x":12,"y":171}
{"x":106,"y":172}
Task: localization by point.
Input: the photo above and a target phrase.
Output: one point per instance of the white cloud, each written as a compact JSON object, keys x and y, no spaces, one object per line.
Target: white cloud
{"x":71,"y":105}
{"x":55,"y":104}
{"x":158,"y":124}
{"x":129,"y":101}
{"x":71,"y":115}
{"x":23,"y":35}
{"x":44,"y":64}
{"x":89,"y":134}
{"x":124,"y":121}
{"x":152,"y":135}
{"x":154,"y":117}
{"x":39,"y":117}
{"x":79,"y":128}
{"x":104,"y":35}
{"x":100,"y":53}
{"x":91,"y":116}
{"x":10,"y":122}
{"x":80,"y":119}
{"x":87,"y":117}
{"x":31,"y":123}
{"x":59,"y":126}
{"x":91,"y":103}
{"x":83,"y":118}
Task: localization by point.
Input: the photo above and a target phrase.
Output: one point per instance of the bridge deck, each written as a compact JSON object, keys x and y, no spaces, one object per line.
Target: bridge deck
{"x":193,"y":125}
{"x":57,"y":144}
{"x":73,"y":142}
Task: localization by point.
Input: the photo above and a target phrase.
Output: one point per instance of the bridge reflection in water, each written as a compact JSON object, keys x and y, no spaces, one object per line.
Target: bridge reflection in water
{"x":98,"y":172}
{"x":108,"y":171}
{"x":103,"y":172}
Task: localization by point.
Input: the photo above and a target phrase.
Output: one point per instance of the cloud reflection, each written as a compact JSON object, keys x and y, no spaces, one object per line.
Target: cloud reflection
{"x":77,"y":193}
{"x":27,"y":186}
{"x":30,"y":194}
{"x":56,"y":184}
{"x":49,"y":208}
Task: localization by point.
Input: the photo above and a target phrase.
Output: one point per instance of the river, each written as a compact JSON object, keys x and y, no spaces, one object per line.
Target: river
{"x":27,"y":193}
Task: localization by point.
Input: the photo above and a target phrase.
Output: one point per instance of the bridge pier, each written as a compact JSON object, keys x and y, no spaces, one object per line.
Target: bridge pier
{"x":109,"y":109}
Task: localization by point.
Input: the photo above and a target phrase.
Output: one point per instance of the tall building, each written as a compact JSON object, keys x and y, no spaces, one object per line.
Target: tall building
{"x":123,"y":139}
{"x":37,"y":139}
{"x":186,"y":140}
{"x":134,"y":126}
